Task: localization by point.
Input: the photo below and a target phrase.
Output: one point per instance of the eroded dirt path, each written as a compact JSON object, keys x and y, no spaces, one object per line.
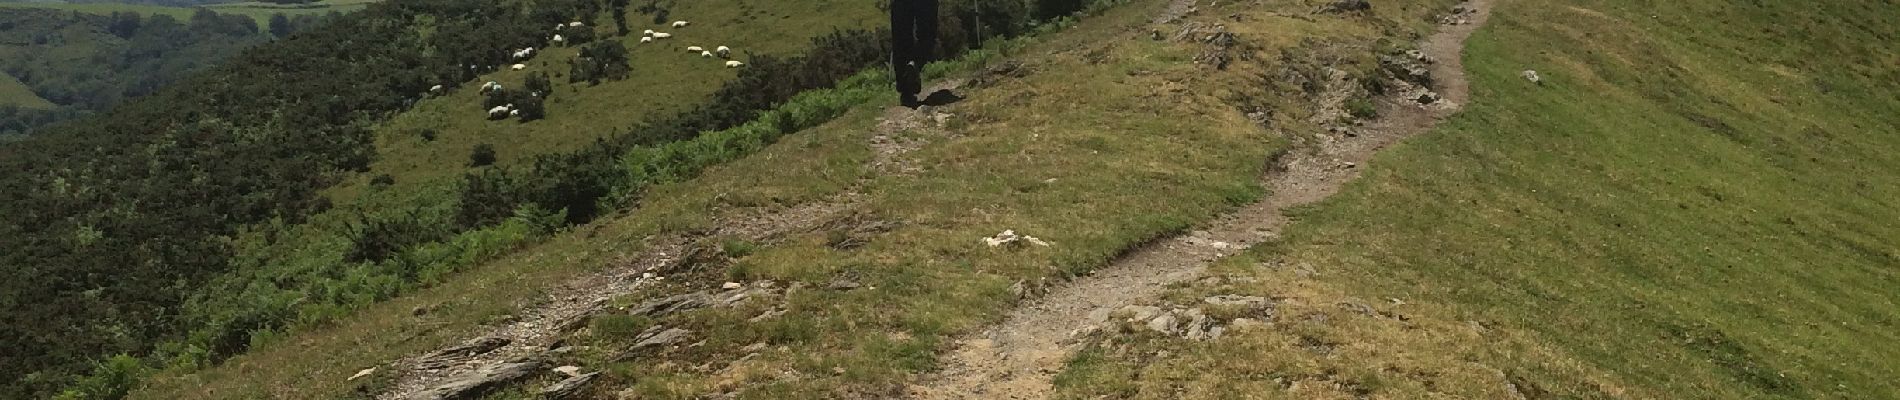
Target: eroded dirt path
{"x":1018,"y":358}
{"x":537,"y":328}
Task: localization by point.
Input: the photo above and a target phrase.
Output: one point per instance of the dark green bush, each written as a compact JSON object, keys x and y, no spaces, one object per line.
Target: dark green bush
{"x":483,"y":155}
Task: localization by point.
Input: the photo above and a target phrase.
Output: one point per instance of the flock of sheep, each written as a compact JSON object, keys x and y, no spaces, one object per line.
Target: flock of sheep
{"x":524,"y":54}
{"x":722,"y":51}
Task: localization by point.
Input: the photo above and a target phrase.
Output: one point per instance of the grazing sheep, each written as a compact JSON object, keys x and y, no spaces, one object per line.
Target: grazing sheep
{"x":646,"y":40}
{"x":558,"y":27}
{"x":681,"y":24}
{"x":435,"y":89}
{"x":498,"y":112}
{"x":559,"y":40}
{"x":519,"y":67}
{"x":576,"y":24}
{"x":706,"y":54}
{"x":649,"y":32}
{"x":723,"y":51}
{"x":734,"y":64}
{"x":514,"y":113}
{"x":694,"y":49}
{"x":662,"y":35}
{"x":491,"y":86}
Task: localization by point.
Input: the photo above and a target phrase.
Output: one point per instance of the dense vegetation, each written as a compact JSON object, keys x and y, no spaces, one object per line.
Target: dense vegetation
{"x":85,"y":63}
{"x":113,"y":220}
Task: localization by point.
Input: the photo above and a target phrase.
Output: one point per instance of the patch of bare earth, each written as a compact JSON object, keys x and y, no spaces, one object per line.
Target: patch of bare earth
{"x":514,"y":349}
{"x":1019,"y":358}
{"x":532,"y":333}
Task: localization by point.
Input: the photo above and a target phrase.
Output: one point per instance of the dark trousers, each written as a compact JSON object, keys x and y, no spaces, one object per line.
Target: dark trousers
{"x":913,"y":36}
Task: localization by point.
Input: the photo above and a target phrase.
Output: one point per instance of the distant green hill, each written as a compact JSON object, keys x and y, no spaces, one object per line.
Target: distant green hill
{"x":14,"y":93}
{"x":260,"y":11}
{"x":62,"y":64}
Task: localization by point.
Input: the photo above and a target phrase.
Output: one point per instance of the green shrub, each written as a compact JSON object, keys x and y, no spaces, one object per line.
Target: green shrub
{"x":1361,"y":108}
{"x":483,"y":155}
{"x":110,"y":379}
{"x":620,"y":326}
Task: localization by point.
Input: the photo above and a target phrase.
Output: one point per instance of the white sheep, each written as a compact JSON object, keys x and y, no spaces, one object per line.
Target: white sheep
{"x":694,"y":49}
{"x":491,"y":86}
{"x":662,"y":35}
{"x":723,"y":51}
{"x":681,"y":24}
{"x":649,"y":32}
{"x":435,"y":89}
{"x":559,"y":40}
{"x":734,"y":64}
{"x":498,"y":111}
{"x":514,"y":113}
{"x":518,"y":67}
{"x":706,"y":54}
{"x":558,"y":27}
{"x":576,"y":24}
{"x":646,"y":40}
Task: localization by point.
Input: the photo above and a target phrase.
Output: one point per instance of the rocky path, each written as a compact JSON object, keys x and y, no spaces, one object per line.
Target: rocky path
{"x":1018,"y":358}
{"x":512,"y":351}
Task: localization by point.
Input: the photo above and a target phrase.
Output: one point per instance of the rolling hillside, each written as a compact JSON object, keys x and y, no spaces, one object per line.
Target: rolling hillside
{"x":259,"y":11}
{"x":71,"y":64}
{"x":1110,"y":199}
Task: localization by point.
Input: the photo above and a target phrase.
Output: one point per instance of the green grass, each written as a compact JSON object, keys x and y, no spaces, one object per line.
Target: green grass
{"x":12,"y":92}
{"x":665,"y":80}
{"x":1031,"y":153}
{"x":1697,"y":203}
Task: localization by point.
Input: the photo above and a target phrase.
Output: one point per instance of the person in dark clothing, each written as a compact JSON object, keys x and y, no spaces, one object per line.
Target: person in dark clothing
{"x":913,"y":37}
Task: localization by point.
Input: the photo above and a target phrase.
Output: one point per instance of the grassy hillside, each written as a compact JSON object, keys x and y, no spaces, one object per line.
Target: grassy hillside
{"x":1696,"y":203}
{"x":1067,"y":138}
{"x":14,"y":93}
{"x":666,"y":80}
{"x":85,"y":63}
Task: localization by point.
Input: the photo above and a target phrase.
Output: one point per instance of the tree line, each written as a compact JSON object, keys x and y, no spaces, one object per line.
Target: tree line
{"x":123,"y":55}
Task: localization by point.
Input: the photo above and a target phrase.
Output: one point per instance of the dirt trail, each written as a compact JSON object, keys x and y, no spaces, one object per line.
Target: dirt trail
{"x":1018,"y":358}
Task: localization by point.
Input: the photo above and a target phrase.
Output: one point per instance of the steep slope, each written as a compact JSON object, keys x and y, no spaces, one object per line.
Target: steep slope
{"x":833,"y":247}
{"x":853,"y":249}
{"x":1693,"y":203}
{"x":112,"y":225}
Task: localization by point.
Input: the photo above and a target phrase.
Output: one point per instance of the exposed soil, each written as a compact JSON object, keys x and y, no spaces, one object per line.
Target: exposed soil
{"x":1018,"y":358}
{"x":539,"y":326}
{"x":531,"y":332}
